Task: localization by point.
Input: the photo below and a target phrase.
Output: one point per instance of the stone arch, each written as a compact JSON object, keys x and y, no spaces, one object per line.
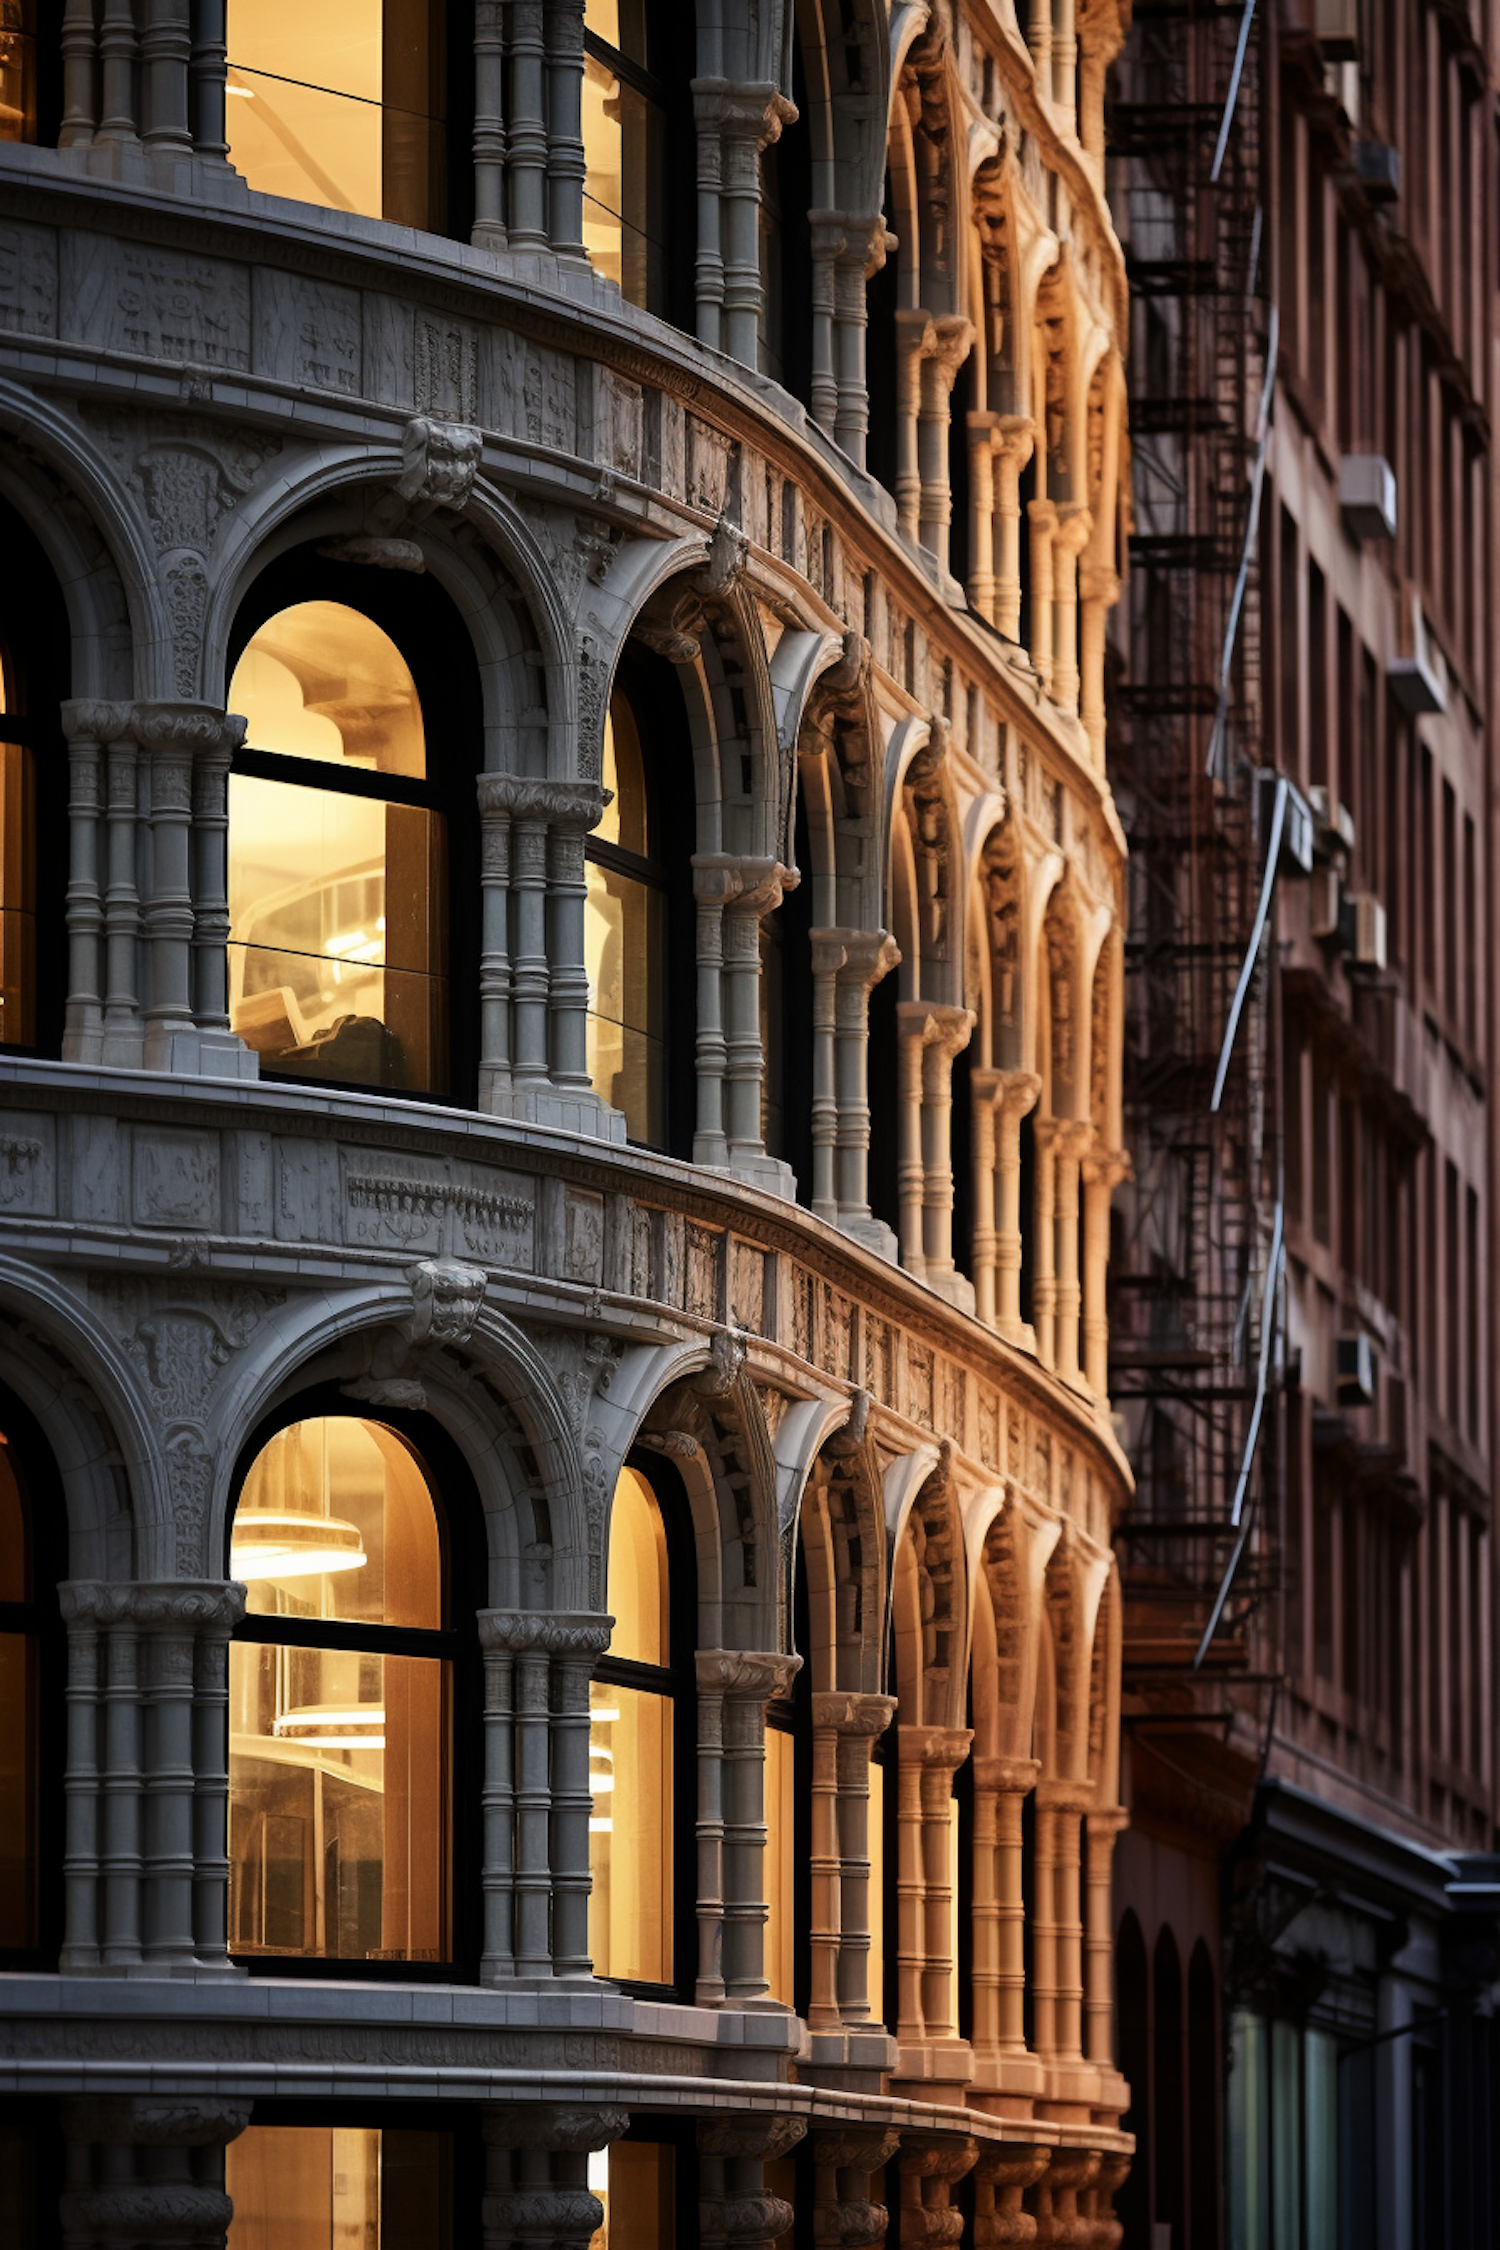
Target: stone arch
{"x":838,"y":777}
{"x":1066,"y":1665}
{"x":1001,"y":883}
{"x":1054,"y":383}
{"x":929,"y":1606}
{"x":1104,"y":1693}
{"x":927,"y":169}
{"x":925,"y":885}
{"x":1005,"y":1607}
{"x":1062,"y":1029}
{"x":710,"y":1419}
{"x":843,"y":1554}
{"x":1105,"y":1032}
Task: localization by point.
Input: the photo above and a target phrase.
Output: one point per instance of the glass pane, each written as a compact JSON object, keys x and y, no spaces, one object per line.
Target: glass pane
{"x":624,"y":944}
{"x":17,"y":70}
{"x":336,"y":909}
{"x":17,"y":1790}
{"x":321,"y":680}
{"x":300,"y":2187}
{"x":17,"y":895}
{"x":630,"y":1834}
{"x":337,"y":1804}
{"x":781,"y":1862}
{"x":622,"y":221}
{"x":15,"y":1552}
{"x":623,"y":820}
{"x":876,"y":1986}
{"x":1322,"y":2141}
{"x":1248,"y":2123}
{"x":635,"y":2181}
{"x":637,"y":1581}
{"x":336,"y":1521}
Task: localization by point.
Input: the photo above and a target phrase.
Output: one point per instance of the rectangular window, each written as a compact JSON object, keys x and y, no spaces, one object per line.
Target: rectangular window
{"x":636,"y":2181}
{"x":1469,"y":966}
{"x":1317,"y":674}
{"x":781,"y":1865}
{"x":1449,"y":984}
{"x":339,"y":1820}
{"x":624,"y":139}
{"x":625,"y":955}
{"x":302,"y":2187}
{"x":630,"y":1833}
{"x":17,"y":898}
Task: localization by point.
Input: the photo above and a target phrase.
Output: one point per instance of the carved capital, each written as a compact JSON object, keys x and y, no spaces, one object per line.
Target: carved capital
{"x":1064,"y":1796}
{"x":934,"y":1023}
{"x":156,"y":2213}
{"x":191,"y":729}
{"x":848,"y":2148}
{"x":744,"y":1672}
{"x":741,"y":886}
{"x":1099,"y":582}
{"x":726,"y":1360}
{"x":85,"y":720}
{"x":550,"y":2125}
{"x":185,"y":1605}
{"x":763,"y":2137}
{"x":1004,"y":2164}
{"x":853,"y":1714}
{"x":1107,"y":1167}
{"x":946,"y":1747}
{"x":728,"y":553}
{"x":1075,"y":528}
{"x":929,"y":2157}
{"x":1006,"y":1777}
{"x":154,"y":2120}
{"x":375,"y":552}
{"x":570,"y":807}
{"x":582,"y":1635}
{"x":756,"y":111}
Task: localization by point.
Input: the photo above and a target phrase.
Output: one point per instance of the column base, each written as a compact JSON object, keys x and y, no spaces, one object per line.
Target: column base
{"x":187,"y":1052}
{"x":937,"y":2070}
{"x":1011,"y":2074}
{"x":573,"y":1109}
{"x":851,"y":2061}
{"x":954,"y":1287}
{"x":871,"y":1234}
{"x":765,"y":1172}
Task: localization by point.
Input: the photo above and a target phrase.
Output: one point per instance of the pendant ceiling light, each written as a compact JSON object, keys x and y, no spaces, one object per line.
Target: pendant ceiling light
{"x":326,"y":1726}
{"x":289,"y":1543}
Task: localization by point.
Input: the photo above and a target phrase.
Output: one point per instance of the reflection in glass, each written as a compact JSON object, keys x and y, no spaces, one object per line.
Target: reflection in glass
{"x":17,"y":898}
{"x":625,"y":943}
{"x":17,"y":70}
{"x":635,"y":2181}
{"x":638,"y":1573}
{"x":334,"y":105}
{"x":876,"y":1915}
{"x":780,"y":1865}
{"x":623,"y":131}
{"x":630,"y":1833}
{"x":297,"y":2187}
{"x":336,"y":900}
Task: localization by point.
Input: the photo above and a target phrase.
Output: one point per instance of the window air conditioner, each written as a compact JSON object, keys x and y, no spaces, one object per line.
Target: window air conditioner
{"x":1362,"y":928}
{"x":1333,"y":823}
{"x":1296,"y":826}
{"x":1367,"y":496}
{"x":1354,"y":1367}
{"x":1414,"y":677}
{"x":1336,"y":27}
{"x":1378,"y":166}
{"x":1323,"y":903}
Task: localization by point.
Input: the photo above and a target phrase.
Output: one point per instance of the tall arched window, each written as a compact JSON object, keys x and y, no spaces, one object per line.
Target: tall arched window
{"x":625,"y":104}
{"x":340,"y":1700}
{"x":341,"y":104}
{"x":339,"y":840}
{"x":626,"y":939}
{"x":636,"y":1742}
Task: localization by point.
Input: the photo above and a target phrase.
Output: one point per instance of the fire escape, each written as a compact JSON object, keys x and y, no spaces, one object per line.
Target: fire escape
{"x":1195,"y":1261}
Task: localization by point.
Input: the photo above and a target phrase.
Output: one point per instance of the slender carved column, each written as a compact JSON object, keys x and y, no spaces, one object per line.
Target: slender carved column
{"x":847,"y":2161}
{"x":932,"y":1033}
{"x":489,"y":125}
{"x":916,"y":340}
{"x":733,"y":2206}
{"x":536,"y":2174}
{"x":1098,"y":590}
{"x":82,"y":1871}
{"x":1039,"y":40}
{"x":1066,"y":1804}
{"x":122,"y":907}
{"x":984,"y":1091}
{"x":1013,"y":442}
{"x":953,"y":336}
{"x":211,"y":1779}
{"x":827,"y":239}
{"x":576,"y":1644}
{"x":943,"y":1752}
{"x":575,"y":809}
{"x":565,"y":158}
{"x":147,"y":2170}
{"x":88,"y":726}
{"x":1103,"y":1171}
{"x":734,"y":124}
{"x":715,"y":882}
{"x":1004,"y":2172}
{"x":829,"y":955}
{"x":1065,"y":63}
{"x":530,"y":977}
{"x":733,"y":895}
{"x":1074,"y":528}
{"x":168,"y":1826}
{"x":497,"y":1801}
{"x":206,"y":78}
{"x":1043,"y":523}
{"x":495,"y":1073}
{"x":981,"y":428}
{"x":166,"y":45}
{"x":1017,"y":1098}
{"x":211,"y":876}
{"x":1044,"y":1247}
{"x":1102,"y":1824}
{"x":117,"y":54}
{"x":527,"y":130}
{"x":169,"y":734}
{"x":733,"y":1690}
{"x":1072,"y":1144}
{"x":863,"y":255}
{"x":869,"y":955}
{"x":80,"y":70}
{"x":930,"y":2169}
{"x":1044,"y":1929}
{"x":999,"y":1924}
{"x":844,"y":1727}
{"x":912,"y":1019}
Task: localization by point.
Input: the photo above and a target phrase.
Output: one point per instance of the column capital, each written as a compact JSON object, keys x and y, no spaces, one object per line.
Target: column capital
{"x":1013,"y":1092}
{"x":953,"y":337}
{"x":551,"y":2125}
{"x":755,"y":1675}
{"x":755,"y":2138}
{"x":1042,"y":514}
{"x":936,"y":1746}
{"x":182,"y":1605}
{"x":933,"y":2157}
{"x":1108,"y":1167}
{"x":154,"y":2120}
{"x":936,"y":1023}
{"x":1106,"y":1820}
{"x":1064,"y":1796}
{"x":87,"y":719}
{"x":741,"y":886}
{"x":754,"y":111}
{"x":1075,"y":528}
{"x":1099,"y":582}
{"x":569,"y":806}
{"x":553,"y":1632}
{"x":1011,"y":1777}
{"x":853,"y":1714}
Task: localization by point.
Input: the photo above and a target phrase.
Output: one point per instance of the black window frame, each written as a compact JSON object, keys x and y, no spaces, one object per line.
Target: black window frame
{"x":36,"y":656}
{"x":39,"y":1617}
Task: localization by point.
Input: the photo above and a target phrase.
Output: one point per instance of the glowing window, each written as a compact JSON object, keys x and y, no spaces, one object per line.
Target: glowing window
{"x":17,"y":868}
{"x":625,"y":941}
{"x":336,"y":858}
{"x":631,"y":1745}
{"x":624,"y":127}
{"x":338,"y":1739}
{"x":780,"y":1865}
{"x":339,"y":104}
{"x":17,"y":70}
{"x":301,"y":2187}
{"x":636,"y":2183}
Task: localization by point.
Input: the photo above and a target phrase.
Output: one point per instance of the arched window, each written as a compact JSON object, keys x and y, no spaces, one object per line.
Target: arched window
{"x":626,"y":939}
{"x":625,"y":102}
{"x":339,"y":839}
{"x":340,"y":1703}
{"x":637,"y":1741}
{"x":33,"y":790}
{"x":341,"y":104}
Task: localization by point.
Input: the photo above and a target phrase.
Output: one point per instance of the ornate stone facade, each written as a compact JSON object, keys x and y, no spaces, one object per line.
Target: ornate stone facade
{"x":897,"y":1394}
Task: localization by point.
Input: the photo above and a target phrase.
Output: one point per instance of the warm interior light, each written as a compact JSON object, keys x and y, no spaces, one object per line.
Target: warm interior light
{"x":325,"y":1725}
{"x":285,"y":1543}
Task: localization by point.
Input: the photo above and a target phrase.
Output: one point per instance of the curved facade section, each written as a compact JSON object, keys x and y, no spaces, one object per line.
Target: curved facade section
{"x":560,"y":1016}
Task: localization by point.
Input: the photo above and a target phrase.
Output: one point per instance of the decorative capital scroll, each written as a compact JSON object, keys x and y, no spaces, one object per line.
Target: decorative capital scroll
{"x":1107,"y":1167}
{"x":553,"y":1632}
{"x":931,"y":2158}
{"x":755,"y":111}
{"x":1075,"y":528}
{"x":728,"y":553}
{"x":87,"y":720}
{"x":446,"y":1300}
{"x":741,"y":886}
{"x":375,"y":551}
{"x":1064,"y":1796}
{"x":745,"y":1672}
{"x":936,"y":1746}
{"x":574,"y":2132}
{"x":849,"y":2149}
{"x":179,"y":1605}
{"x":573,"y":807}
{"x":763,"y":2137}
{"x":1008,"y":1777}
{"x":936,"y":1023}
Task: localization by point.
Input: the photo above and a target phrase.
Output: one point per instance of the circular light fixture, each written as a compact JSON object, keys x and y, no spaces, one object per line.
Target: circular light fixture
{"x":327,"y":1726}
{"x":286,"y":1543}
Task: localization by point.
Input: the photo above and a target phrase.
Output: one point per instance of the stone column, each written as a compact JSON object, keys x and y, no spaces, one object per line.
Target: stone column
{"x":829,"y":954}
{"x":733,"y":895}
{"x":1074,"y":530}
{"x":984,"y":1090}
{"x":1044,"y":1245}
{"x":734,"y":124}
{"x":1013,"y":441}
{"x":1070,"y":2173}
{"x":733,"y":2206}
{"x":734,"y":1688}
{"x":1065,"y":64}
{"x":927,"y":1759}
{"x":1103,"y":1171}
{"x":80,"y":67}
{"x":489,"y":125}
{"x":981,"y":431}
{"x":869,"y":955}
{"x":1000,"y":1789}
{"x":847,"y":2162}
{"x":1098,"y":591}
{"x":535,"y":1792}
{"x":536,"y":2173}
{"x":826,"y":233}
{"x":146,"y":1779}
{"x":845,"y":1726}
{"x":931,"y":2166}
{"x":953,"y":336}
{"x":533,"y":989}
{"x":576,"y":807}
{"x":1017,"y":1098}
{"x":566,"y":168}
{"x":206,"y":75}
{"x":118,"y":56}
{"x":864,"y":253}
{"x":1039,"y":40}
{"x":145,"y":2171}
{"x":1043,"y":523}
{"x":186,"y":911}
{"x":88,"y":727}
{"x":916,"y":340}
{"x":495,"y":1072}
{"x":1073,"y":1140}
{"x":1066,"y":1804}
{"x":124,"y":1038}
{"x":932,"y":1033}
{"x":166,"y":45}
{"x":1102,"y":1824}
{"x":527,"y":126}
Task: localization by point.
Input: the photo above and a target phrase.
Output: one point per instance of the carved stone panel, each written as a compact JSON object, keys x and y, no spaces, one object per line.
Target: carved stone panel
{"x":28,"y":280}
{"x":28,"y":1168}
{"x":160,"y":304}
{"x":307,"y":332}
{"x":175,"y":1177}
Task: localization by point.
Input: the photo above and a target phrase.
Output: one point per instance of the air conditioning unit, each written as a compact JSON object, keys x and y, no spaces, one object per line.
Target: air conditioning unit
{"x":1362,"y":928}
{"x":1378,"y":167}
{"x":1333,"y":823}
{"x":1336,"y":27}
{"x":1324,"y":896}
{"x":1413,"y":676}
{"x":1367,"y":496}
{"x":1296,"y":824}
{"x":1354,"y":1370}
